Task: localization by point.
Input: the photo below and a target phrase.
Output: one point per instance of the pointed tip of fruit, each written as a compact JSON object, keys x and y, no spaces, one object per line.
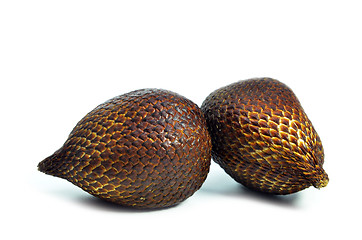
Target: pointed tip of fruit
{"x":45,"y":165}
{"x":322,"y":181}
{"x":52,"y":165}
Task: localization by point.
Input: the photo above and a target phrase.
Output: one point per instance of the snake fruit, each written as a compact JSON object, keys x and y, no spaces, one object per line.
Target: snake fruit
{"x":148,"y":148}
{"x":262,"y":137}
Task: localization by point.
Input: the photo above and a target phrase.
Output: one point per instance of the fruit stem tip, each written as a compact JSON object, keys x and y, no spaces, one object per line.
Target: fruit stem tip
{"x":323,"y":182}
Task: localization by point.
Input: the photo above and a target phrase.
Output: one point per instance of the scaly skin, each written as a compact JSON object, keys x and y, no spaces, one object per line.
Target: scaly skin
{"x":262,"y":137}
{"x":148,"y":148}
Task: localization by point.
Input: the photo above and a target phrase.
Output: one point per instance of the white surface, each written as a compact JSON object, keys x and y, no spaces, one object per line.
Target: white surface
{"x":58,"y":60}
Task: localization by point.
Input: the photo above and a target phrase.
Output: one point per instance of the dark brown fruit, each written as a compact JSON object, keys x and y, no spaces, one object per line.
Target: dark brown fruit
{"x":262,"y":138}
{"x":148,"y":148}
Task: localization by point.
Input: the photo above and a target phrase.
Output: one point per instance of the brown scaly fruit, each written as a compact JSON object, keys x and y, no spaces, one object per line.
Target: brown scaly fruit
{"x":262,"y":137}
{"x":149,"y":148}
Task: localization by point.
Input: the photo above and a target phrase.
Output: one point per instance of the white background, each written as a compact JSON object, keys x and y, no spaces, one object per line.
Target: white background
{"x":60,"y":59}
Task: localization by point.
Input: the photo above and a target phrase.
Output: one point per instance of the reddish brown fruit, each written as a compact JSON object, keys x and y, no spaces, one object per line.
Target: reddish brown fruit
{"x":148,"y":148}
{"x":262,"y":138}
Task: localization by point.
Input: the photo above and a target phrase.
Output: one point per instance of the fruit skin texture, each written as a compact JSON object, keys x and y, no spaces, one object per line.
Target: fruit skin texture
{"x":149,"y":148}
{"x":262,"y":137}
